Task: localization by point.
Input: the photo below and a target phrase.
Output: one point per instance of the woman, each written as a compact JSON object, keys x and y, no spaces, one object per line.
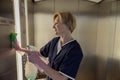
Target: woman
{"x":63,"y":52}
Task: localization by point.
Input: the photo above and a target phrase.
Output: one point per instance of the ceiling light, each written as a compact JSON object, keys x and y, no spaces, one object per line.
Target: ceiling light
{"x":37,"y":0}
{"x":96,"y":1}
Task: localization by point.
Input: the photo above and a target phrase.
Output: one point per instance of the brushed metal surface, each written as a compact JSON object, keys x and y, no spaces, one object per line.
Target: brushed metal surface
{"x":30,"y":22}
{"x":6,"y":9}
{"x":5,"y":31}
{"x":86,"y":34}
{"x":66,"y":5}
{"x":22,"y":23}
{"x":113,"y":69}
{"x":8,"y":70}
{"x":46,"y":6}
{"x":108,"y":68}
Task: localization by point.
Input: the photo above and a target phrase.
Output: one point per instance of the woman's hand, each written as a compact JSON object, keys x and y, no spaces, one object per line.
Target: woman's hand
{"x":34,"y":57}
{"x":16,"y":45}
{"x":37,"y":60}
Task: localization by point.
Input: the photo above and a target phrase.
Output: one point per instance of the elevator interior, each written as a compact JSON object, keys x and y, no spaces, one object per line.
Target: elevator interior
{"x":97,"y":31}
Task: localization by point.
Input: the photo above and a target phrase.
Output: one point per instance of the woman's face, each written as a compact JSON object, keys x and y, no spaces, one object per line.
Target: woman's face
{"x":58,"y":26}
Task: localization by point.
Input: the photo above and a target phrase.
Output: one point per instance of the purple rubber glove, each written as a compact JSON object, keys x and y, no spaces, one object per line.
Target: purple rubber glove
{"x":37,"y":60}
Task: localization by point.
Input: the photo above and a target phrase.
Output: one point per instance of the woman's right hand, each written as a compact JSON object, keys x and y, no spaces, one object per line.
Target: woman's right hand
{"x":16,"y":45}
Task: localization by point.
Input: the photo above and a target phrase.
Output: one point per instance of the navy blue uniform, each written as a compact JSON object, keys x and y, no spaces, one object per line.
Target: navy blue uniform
{"x":67,"y":61}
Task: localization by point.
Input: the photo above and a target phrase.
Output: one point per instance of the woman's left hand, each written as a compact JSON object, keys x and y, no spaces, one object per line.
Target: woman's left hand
{"x":34,"y":57}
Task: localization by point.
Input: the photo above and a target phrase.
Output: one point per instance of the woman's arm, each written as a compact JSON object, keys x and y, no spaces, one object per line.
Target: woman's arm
{"x":40,"y":62}
{"x":53,"y":74}
{"x":37,"y":60}
{"x":17,"y":47}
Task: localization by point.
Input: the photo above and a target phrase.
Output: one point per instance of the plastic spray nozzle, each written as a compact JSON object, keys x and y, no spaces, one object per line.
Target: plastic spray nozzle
{"x":13,"y":38}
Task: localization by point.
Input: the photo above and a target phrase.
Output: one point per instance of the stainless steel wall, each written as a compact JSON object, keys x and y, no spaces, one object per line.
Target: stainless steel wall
{"x":6,"y":9}
{"x":43,"y":12}
{"x":23,"y":23}
{"x":87,"y":36}
{"x":107,"y":37}
{"x":97,"y":31}
{"x":8,"y":69}
{"x":30,"y":18}
{"x":6,"y":16}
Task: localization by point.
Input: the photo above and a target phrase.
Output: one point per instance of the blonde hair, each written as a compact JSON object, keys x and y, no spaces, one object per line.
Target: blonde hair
{"x":67,"y":18}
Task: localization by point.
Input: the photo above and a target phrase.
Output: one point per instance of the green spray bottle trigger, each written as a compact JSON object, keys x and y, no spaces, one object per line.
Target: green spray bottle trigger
{"x":13,"y":38}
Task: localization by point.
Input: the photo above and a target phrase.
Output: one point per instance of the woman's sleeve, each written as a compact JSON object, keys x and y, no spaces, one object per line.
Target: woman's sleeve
{"x":44,"y":51}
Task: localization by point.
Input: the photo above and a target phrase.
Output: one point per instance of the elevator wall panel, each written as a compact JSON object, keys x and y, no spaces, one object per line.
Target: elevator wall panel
{"x":43,"y":23}
{"x":113,"y":70}
{"x":86,"y":34}
{"x":105,"y":38}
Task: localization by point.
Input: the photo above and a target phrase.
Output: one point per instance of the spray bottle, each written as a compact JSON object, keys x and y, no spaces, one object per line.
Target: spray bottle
{"x":12,"y":38}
